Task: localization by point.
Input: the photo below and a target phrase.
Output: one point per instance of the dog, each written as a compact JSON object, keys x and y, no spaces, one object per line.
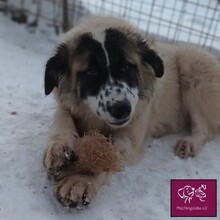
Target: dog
{"x":187,"y":193}
{"x":106,"y":76}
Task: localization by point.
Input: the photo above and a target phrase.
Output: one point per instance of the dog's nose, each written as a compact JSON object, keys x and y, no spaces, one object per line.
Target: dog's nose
{"x":120,"y":110}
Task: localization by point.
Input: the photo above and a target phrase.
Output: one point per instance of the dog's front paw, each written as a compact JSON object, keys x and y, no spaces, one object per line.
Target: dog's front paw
{"x":75,"y":191}
{"x":186,"y":147}
{"x":59,"y":154}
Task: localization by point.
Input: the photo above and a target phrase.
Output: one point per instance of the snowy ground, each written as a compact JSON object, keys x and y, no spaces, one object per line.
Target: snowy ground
{"x":140,"y":192}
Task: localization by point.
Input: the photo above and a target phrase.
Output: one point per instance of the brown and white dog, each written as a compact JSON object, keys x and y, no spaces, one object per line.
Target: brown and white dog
{"x":107,"y":76}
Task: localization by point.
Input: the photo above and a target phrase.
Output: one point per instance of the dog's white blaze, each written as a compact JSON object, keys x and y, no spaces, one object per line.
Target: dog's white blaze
{"x":100,"y":37}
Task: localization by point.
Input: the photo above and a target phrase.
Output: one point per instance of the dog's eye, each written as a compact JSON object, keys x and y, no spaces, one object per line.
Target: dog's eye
{"x":91,"y":72}
{"x":125,"y":67}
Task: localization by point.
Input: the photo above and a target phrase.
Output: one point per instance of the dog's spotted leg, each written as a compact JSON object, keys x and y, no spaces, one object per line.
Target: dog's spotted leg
{"x":78,"y":191}
{"x":189,"y":146}
{"x":60,"y":146}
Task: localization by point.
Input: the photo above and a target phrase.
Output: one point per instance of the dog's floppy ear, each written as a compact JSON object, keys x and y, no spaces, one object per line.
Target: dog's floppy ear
{"x":181,"y":193}
{"x":150,"y":57}
{"x":56,"y":67}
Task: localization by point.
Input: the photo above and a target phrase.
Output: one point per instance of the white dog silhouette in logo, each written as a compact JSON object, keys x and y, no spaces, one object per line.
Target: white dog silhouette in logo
{"x":187,"y":193}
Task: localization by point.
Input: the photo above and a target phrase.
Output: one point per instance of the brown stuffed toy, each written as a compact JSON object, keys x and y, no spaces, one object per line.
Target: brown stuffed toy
{"x":95,"y":154}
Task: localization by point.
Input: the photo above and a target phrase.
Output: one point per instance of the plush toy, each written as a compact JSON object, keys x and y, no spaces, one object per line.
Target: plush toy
{"x":95,"y":154}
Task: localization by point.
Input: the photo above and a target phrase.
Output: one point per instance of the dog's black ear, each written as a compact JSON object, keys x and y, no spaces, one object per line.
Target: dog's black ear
{"x":150,"y":57}
{"x":56,"y":67}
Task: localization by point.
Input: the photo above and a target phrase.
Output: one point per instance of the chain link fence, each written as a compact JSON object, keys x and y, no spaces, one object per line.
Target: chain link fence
{"x":195,"y":21}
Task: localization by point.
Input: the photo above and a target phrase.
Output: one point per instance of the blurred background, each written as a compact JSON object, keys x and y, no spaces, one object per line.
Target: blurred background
{"x":192,"y":21}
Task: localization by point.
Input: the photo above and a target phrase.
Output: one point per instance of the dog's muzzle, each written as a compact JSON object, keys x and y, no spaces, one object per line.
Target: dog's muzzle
{"x":120,"y":111}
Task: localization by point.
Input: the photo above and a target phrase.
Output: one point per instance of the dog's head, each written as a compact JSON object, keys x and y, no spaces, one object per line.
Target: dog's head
{"x":106,"y":67}
{"x":186,"y":192}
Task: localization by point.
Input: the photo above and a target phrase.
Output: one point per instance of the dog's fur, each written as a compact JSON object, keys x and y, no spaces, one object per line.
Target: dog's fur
{"x":170,"y":88}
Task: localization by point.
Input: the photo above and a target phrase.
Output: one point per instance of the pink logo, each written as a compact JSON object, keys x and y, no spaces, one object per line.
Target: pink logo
{"x":187,"y":193}
{"x":194,"y":198}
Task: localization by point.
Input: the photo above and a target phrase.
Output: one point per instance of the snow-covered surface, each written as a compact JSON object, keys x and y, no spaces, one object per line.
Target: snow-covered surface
{"x":140,"y":192}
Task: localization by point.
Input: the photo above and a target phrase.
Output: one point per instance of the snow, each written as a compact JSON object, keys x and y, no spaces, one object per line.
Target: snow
{"x":140,"y":192}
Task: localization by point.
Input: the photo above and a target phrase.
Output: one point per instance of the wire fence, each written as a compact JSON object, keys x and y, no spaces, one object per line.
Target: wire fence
{"x":192,"y":21}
